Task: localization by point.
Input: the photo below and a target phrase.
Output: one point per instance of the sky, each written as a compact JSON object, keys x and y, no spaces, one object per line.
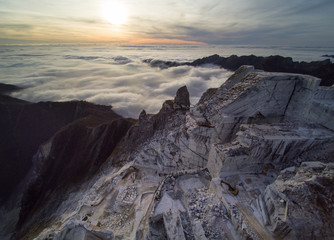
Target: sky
{"x":253,"y":22}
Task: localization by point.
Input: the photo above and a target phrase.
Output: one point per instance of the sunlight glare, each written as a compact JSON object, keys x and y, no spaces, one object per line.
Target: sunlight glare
{"x":115,"y":13}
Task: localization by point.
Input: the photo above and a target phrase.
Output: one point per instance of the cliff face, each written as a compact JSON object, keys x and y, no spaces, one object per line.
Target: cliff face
{"x":72,"y":140}
{"x":73,"y":154}
{"x":234,"y":166}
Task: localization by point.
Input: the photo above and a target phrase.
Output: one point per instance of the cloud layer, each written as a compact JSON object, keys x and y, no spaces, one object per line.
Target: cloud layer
{"x":103,"y":77}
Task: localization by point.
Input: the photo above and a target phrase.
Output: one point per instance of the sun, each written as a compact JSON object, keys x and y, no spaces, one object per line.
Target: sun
{"x":115,"y":13}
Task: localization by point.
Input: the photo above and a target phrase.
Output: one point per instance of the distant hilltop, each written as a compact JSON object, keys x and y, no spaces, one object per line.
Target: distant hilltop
{"x":328,"y":56}
{"x":7,"y":88}
{"x":321,"y":69}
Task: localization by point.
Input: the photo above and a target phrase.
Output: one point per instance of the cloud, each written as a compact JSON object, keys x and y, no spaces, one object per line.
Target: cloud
{"x":306,"y":7}
{"x":17,"y":27}
{"x":183,"y":21}
{"x":124,"y":82}
{"x":242,"y":22}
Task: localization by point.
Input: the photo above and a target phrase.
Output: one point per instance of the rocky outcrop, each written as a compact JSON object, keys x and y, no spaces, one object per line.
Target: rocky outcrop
{"x":276,"y":146}
{"x":216,"y":170}
{"x":171,"y":114}
{"x":181,"y":100}
{"x":321,"y":69}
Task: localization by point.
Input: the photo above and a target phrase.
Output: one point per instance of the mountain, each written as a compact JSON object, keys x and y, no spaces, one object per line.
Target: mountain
{"x":321,"y":69}
{"x":253,"y":159}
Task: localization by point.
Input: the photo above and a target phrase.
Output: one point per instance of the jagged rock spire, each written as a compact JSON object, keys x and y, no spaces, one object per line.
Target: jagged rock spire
{"x":181,"y":100}
{"x":142,"y":116}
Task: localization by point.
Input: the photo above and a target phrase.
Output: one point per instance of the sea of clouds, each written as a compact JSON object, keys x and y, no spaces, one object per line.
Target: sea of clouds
{"x":117,"y":75}
{"x":103,"y":76}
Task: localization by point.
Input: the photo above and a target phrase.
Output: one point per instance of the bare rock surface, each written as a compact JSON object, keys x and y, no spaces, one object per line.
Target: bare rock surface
{"x":252,"y":160}
{"x":301,"y":202}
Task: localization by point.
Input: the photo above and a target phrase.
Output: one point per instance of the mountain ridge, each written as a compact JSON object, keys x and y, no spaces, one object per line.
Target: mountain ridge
{"x":321,"y":69}
{"x":230,"y":167}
